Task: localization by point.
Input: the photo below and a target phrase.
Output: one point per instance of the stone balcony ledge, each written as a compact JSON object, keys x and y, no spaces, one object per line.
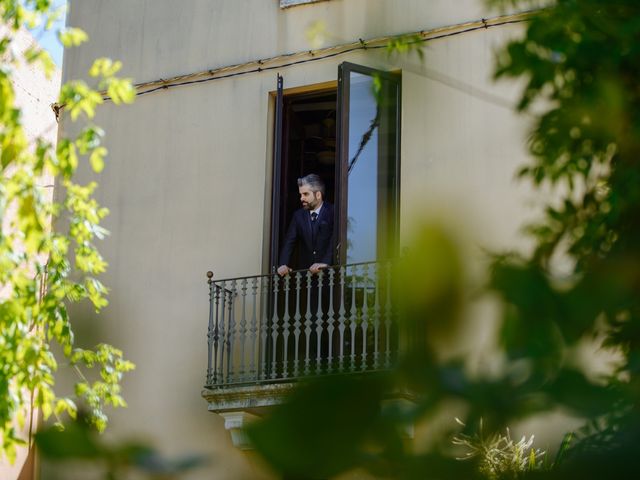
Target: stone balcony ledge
{"x":240,"y":405}
{"x":246,"y":398}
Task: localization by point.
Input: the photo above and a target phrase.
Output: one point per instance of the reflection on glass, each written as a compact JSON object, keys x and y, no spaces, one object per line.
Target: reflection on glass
{"x":371,"y":168}
{"x":363,"y":171}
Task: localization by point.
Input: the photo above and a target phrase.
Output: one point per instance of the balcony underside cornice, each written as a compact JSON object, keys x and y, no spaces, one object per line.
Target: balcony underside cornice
{"x":247,"y":398}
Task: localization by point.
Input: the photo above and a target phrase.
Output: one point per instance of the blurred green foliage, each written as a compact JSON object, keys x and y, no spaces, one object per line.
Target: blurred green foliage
{"x":580,"y":61}
{"x":78,"y":442}
{"x":42,"y":269}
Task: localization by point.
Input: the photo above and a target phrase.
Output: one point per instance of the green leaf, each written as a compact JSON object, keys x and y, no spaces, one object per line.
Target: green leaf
{"x":65,"y":405}
{"x":104,"y":67}
{"x":72,"y":36}
{"x":121,"y":91}
{"x":97,"y":159}
{"x":42,"y":58}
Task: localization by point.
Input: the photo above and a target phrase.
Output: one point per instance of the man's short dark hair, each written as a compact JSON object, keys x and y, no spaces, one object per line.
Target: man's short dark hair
{"x":313,"y":181}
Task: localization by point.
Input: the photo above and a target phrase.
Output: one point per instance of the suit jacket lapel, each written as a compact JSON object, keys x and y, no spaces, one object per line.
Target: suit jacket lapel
{"x":306,"y":228}
{"x":324,"y":212}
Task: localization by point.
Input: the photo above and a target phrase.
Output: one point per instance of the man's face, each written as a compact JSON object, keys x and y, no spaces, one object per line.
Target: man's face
{"x":310,"y":200}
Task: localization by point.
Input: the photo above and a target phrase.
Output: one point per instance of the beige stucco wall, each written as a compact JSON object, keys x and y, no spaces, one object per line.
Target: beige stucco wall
{"x":187,"y":173}
{"x":158,"y":38}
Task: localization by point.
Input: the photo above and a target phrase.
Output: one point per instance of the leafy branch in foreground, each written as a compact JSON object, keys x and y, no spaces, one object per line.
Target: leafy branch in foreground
{"x":78,"y":442}
{"x":42,"y":270}
{"x":580,"y":61}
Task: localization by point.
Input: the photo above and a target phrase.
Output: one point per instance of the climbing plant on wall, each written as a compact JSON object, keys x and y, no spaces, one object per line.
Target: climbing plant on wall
{"x":44,"y":269}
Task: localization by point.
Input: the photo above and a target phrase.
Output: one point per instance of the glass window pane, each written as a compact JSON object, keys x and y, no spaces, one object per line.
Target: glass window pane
{"x":362,"y":189}
{"x":372,"y":151}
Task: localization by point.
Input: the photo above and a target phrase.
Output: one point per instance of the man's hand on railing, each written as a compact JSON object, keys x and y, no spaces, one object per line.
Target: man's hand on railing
{"x":316,"y":267}
{"x":283,"y":270}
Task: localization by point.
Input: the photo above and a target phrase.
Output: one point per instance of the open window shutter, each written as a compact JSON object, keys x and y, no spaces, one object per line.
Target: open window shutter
{"x":277,"y":174}
{"x":368,"y":163}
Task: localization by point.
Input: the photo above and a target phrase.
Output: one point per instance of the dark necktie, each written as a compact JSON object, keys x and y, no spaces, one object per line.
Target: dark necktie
{"x":314,"y":226}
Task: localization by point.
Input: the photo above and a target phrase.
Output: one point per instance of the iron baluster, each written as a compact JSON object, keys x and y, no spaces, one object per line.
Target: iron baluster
{"x":376,"y":318}
{"x":243,"y":329}
{"x":330,"y":320}
{"x":365,"y":317}
{"x":264,"y":328}
{"x":221,"y":327}
{"x":341,"y":320}
{"x":296,"y":326}
{"x":274,"y":326}
{"x":285,"y":325}
{"x":253,"y":330}
{"x":210,"y":332}
{"x":216,"y":338}
{"x":387,"y":320}
{"x":353,"y":317}
{"x":319,"y":324}
{"x":231,"y":331}
{"x":307,"y":324}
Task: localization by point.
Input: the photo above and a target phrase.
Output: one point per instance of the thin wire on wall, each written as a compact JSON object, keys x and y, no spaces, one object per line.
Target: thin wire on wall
{"x":307,"y":56}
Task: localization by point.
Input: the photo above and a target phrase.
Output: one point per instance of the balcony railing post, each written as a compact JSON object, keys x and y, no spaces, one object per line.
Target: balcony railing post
{"x":220,"y":327}
{"x":352,"y":319}
{"x":376,"y":319}
{"x":341,"y":320}
{"x":319,"y":326}
{"x":296,"y":328}
{"x":243,"y":329}
{"x":307,"y":328}
{"x":253,"y":331}
{"x":231,"y":330}
{"x":330,"y":320}
{"x":274,"y":326}
{"x":387,"y":320}
{"x":285,"y":326}
{"x":210,"y":333}
{"x":364,"y":316}
{"x":264,"y":328}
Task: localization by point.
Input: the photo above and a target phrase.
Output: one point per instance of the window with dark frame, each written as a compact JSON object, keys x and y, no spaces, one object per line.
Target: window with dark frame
{"x":350,"y":136}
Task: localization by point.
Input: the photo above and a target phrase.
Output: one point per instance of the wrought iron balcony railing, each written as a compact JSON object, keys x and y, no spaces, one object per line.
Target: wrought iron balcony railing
{"x":272,"y":329}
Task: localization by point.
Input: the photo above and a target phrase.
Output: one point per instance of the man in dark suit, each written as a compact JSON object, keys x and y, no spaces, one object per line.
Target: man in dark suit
{"x":311,"y":229}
